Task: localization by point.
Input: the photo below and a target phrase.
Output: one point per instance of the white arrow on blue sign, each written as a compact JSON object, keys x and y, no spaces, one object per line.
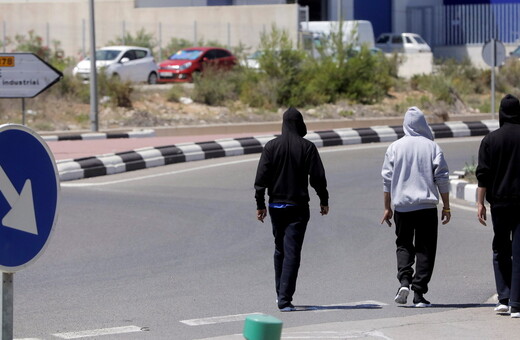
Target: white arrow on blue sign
{"x":29,"y":195}
{"x":25,"y":75}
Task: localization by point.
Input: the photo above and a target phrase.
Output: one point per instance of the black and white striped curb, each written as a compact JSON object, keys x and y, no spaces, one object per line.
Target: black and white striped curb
{"x":461,"y":188}
{"x":101,"y":135}
{"x":156,"y":156}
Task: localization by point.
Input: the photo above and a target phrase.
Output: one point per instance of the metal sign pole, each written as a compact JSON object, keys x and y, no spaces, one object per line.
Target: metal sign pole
{"x":7,"y":306}
{"x":23,"y":111}
{"x":94,"y":113}
{"x":493,"y":64}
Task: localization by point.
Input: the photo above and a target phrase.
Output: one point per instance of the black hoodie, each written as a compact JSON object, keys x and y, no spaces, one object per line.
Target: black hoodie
{"x":498,"y":167}
{"x":287,"y":164}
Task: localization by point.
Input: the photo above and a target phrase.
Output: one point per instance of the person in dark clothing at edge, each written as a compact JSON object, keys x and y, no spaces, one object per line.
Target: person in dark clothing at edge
{"x":287,"y":165}
{"x":498,"y":175}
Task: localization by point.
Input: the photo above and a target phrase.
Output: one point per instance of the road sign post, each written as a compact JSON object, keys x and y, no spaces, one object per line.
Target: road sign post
{"x":494,"y":54}
{"x":7,"y":306}
{"x":29,"y":195}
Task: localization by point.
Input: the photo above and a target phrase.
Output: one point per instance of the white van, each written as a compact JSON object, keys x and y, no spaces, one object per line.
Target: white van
{"x":402,"y":43}
{"x":356,"y":32}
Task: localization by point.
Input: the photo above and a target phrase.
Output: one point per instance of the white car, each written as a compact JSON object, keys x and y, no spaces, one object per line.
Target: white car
{"x":402,"y":43}
{"x":129,"y":63}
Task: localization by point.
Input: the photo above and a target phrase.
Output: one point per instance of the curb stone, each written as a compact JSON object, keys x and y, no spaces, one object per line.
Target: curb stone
{"x":101,"y":135}
{"x":79,"y":168}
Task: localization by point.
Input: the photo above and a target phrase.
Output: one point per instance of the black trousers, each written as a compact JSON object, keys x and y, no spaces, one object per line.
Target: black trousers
{"x":289,"y":226}
{"x":416,"y":242}
{"x":506,"y":253}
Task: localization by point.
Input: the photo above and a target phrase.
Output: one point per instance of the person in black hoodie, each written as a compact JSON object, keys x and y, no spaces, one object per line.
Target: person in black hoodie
{"x":498,"y":175}
{"x":287,"y":165}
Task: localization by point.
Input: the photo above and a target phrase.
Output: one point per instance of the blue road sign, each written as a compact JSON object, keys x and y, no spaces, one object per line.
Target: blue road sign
{"x":29,"y":195}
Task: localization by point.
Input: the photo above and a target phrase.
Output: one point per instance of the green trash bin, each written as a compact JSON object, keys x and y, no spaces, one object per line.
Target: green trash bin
{"x":262,"y":327}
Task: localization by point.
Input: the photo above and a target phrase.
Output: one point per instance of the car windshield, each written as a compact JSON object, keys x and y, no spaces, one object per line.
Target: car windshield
{"x":255,"y":55}
{"x":186,"y":55}
{"x":419,"y":40}
{"x":107,"y":54}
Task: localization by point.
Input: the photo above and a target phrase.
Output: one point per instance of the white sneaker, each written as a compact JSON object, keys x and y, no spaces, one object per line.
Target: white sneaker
{"x":515,"y":312}
{"x":501,"y":308}
{"x":402,"y":295}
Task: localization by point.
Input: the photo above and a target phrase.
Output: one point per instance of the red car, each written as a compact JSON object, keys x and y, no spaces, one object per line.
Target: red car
{"x":181,"y":66}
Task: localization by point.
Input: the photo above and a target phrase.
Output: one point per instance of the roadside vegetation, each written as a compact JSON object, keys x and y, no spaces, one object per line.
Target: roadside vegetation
{"x":287,"y":76}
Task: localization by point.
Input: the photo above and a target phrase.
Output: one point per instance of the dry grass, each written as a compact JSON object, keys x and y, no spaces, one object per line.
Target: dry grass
{"x":150,"y":107}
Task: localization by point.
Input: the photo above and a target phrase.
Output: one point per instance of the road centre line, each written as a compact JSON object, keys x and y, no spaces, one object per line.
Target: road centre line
{"x":99,"y":332}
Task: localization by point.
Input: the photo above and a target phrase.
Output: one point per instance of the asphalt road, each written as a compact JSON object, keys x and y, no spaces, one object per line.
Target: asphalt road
{"x":161,"y":253}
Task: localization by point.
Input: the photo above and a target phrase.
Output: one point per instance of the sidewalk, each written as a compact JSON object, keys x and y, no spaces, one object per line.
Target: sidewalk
{"x":475,"y":323}
{"x":72,"y":149}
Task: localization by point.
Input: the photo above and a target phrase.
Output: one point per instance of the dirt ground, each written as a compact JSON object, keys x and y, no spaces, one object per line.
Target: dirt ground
{"x":150,"y":108}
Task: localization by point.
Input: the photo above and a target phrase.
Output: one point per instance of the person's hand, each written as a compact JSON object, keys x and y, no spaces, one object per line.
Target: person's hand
{"x":324,"y":209}
{"x":481,"y":214}
{"x":387,"y":216}
{"x":261,"y":214}
{"x":445,"y":215}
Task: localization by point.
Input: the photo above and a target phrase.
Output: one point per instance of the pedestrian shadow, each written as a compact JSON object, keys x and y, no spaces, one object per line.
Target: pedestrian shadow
{"x":455,"y":305}
{"x":306,"y":308}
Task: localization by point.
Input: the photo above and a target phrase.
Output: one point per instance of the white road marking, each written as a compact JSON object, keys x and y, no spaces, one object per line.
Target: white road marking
{"x":464,"y":207}
{"x":334,"y":335}
{"x":204,"y":167}
{"x":241,"y":317}
{"x":66,"y":184}
{"x":217,"y":319}
{"x":98,"y":332}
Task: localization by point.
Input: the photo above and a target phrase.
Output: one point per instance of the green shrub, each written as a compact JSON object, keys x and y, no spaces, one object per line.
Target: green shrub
{"x":508,"y":77}
{"x":118,"y":91}
{"x":141,"y":38}
{"x":175,"y":93}
{"x":366,"y":77}
{"x":214,"y":86}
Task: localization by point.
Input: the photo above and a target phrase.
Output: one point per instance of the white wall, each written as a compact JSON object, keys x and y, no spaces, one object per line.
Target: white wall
{"x":415,"y":64}
{"x":67,"y":21}
{"x":471,"y":52}
{"x":399,"y":12}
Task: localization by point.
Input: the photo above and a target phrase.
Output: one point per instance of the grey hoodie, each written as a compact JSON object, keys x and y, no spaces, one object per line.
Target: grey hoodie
{"x":414,"y":170}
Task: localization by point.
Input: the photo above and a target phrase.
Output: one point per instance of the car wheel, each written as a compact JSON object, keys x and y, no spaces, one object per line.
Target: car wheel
{"x":152,"y":78}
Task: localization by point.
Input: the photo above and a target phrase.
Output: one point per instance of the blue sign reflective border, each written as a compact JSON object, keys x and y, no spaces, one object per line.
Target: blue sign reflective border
{"x":24,"y":156}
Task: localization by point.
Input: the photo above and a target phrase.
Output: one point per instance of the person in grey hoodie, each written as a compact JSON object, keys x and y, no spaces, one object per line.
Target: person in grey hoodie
{"x":414,"y":173}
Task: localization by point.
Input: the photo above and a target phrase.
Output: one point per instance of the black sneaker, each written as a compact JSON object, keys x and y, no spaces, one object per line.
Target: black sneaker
{"x":420,"y":302}
{"x":515,"y":312}
{"x":287,"y":308}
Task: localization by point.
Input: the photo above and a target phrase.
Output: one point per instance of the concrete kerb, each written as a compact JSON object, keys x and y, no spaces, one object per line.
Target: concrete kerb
{"x":100,"y":135}
{"x":113,"y":163}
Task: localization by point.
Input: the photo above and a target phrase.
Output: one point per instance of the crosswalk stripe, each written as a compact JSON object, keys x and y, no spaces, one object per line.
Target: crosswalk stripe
{"x":217,"y":319}
{"x":98,"y":332}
